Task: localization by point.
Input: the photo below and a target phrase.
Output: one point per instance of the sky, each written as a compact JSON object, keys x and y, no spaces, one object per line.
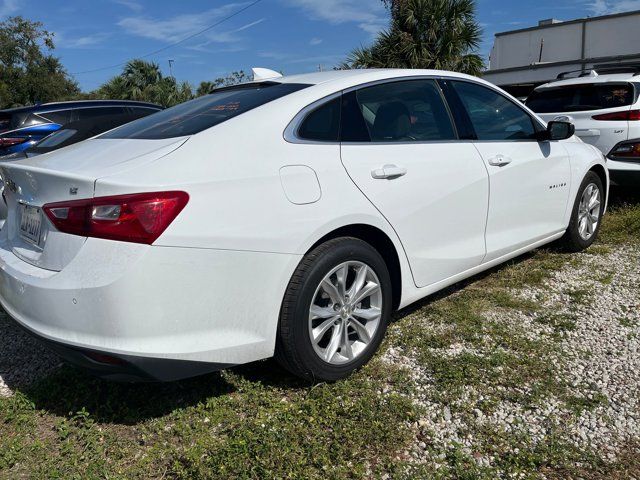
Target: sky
{"x":93,"y":38}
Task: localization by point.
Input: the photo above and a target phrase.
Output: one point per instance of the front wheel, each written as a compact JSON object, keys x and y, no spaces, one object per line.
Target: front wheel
{"x":335,"y":311}
{"x":586,"y":216}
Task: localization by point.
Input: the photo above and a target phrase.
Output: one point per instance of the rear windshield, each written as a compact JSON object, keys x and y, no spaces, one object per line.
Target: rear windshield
{"x":577,"y":98}
{"x":205,"y":112}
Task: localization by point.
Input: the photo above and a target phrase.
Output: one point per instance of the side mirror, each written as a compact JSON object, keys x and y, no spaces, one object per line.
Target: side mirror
{"x":559,"y":131}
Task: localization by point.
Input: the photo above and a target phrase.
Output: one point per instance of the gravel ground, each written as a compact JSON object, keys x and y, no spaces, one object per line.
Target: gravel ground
{"x":603,"y":352}
{"x":597,"y":357}
{"x":22,"y":359}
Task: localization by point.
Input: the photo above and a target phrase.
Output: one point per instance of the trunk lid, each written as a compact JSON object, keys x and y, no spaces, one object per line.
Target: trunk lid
{"x":67,"y":174}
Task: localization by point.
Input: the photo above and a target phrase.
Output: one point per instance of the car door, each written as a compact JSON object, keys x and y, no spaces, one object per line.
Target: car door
{"x":400,"y":147}
{"x":529,"y":179}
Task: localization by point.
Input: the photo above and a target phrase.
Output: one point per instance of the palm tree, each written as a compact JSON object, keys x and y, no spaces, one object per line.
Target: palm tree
{"x":144,"y":81}
{"x":439,"y":34}
{"x":139,"y":76}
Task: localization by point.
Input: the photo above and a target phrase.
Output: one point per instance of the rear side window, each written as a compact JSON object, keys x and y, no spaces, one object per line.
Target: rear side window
{"x":61,"y":117}
{"x":493,"y":116}
{"x":205,"y":112}
{"x":405,"y":111}
{"x":81,"y":114}
{"x":322,"y":124}
{"x":577,"y":98}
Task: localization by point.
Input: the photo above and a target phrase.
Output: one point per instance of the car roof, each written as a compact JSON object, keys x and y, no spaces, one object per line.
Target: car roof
{"x":588,"y":80}
{"x":53,"y":106}
{"x":363,"y":75}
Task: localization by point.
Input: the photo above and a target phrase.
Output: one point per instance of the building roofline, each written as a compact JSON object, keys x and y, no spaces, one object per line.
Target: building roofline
{"x":577,"y":61}
{"x":569,"y":22}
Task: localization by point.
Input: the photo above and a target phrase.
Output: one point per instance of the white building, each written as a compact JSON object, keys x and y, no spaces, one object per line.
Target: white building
{"x":522,"y":59}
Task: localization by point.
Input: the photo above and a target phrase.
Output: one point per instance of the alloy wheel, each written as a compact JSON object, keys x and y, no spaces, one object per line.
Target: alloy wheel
{"x":345,"y":312}
{"x":589,"y":211}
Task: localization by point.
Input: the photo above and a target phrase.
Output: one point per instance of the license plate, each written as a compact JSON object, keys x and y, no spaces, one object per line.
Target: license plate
{"x":30,"y":223}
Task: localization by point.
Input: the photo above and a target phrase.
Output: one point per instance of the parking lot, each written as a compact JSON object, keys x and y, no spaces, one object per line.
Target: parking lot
{"x":530,"y":370}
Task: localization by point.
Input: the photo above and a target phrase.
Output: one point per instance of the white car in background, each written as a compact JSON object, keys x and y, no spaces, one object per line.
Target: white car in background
{"x":288,"y":217}
{"x":605,"y":109}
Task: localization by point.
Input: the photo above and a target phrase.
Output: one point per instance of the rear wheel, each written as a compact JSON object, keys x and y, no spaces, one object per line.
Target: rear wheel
{"x":335,"y":311}
{"x":586,"y":216}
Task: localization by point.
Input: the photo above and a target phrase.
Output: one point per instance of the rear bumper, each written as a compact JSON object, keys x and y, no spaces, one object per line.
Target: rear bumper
{"x":165,"y":313}
{"x":127,"y":368}
{"x":624,"y":174}
{"x":625,"y":178}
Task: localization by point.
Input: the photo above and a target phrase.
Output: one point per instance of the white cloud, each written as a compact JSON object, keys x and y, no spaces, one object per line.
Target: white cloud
{"x":130,"y":4}
{"x":177,"y":27}
{"x":230,"y":38}
{"x":283,"y":58}
{"x":606,"y":7}
{"x":87,"y":41}
{"x":7,"y":7}
{"x":315,"y":41}
{"x":370,"y":15}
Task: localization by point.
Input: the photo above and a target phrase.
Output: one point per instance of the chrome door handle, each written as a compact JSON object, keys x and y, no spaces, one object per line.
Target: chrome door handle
{"x":388,"y":172}
{"x":500,"y":161}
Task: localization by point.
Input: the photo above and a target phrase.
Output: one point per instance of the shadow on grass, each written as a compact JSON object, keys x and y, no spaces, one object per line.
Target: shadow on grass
{"x":70,"y":390}
{"x":621,"y":196}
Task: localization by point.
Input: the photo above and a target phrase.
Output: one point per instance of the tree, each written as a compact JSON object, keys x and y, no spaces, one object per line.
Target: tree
{"x":438,"y":34}
{"x":143,"y":81}
{"x":28,"y":72}
{"x":234,"y":78}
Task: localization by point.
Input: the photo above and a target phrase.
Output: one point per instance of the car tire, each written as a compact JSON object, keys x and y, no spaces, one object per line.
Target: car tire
{"x":323,"y":334}
{"x":586,"y":216}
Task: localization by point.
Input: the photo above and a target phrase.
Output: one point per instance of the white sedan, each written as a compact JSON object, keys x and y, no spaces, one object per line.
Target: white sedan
{"x":287,"y":217}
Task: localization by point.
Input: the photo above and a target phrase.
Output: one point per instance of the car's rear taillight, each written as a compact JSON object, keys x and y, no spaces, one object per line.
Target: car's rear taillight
{"x":138,"y":218}
{"x":11,"y":141}
{"x":626,"y":151}
{"x":628,"y":116}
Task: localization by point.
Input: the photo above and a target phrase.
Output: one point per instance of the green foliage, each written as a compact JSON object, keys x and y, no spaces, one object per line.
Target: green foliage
{"x":234,"y":78}
{"x":143,"y":81}
{"x":28,"y":72}
{"x":438,"y":34}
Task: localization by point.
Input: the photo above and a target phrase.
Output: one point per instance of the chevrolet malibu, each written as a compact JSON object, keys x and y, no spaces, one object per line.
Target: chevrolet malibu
{"x":286,"y":217}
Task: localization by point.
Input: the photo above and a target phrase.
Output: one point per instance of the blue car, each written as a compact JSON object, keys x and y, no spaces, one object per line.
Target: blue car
{"x":23,"y":127}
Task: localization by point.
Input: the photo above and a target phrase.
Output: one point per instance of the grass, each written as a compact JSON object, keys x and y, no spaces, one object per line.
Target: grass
{"x":257,"y":421}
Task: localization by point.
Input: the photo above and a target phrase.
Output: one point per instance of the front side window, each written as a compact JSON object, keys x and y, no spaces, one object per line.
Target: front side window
{"x":493,"y":116}
{"x":580,"y":98}
{"x":204,"y":112}
{"x":405,"y":111}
